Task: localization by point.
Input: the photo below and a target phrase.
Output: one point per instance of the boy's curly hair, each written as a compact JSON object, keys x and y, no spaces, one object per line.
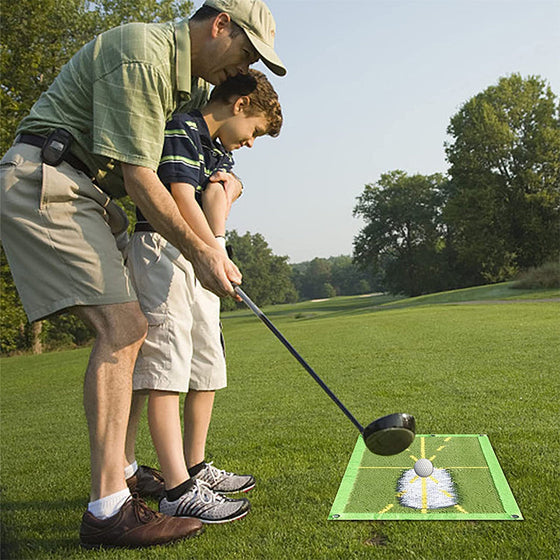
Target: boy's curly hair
{"x":256,"y":86}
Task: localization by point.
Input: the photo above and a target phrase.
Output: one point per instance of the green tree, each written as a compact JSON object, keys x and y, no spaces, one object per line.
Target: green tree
{"x":348,"y":278}
{"x":13,"y":322}
{"x":503,"y":208}
{"x":329,"y":277}
{"x":266,"y":277}
{"x":36,"y":40}
{"x":403,"y":237}
{"x":315,"y":279}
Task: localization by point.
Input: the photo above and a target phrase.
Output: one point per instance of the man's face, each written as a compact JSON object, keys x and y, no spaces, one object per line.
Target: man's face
{"x":228,"y":56}
{"x":242,"y":130}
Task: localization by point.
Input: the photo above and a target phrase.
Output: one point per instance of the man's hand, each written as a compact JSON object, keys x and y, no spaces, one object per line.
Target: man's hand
{"x":216,"y":272}
{"x":212,"y":267}
{"x":232,"y":185}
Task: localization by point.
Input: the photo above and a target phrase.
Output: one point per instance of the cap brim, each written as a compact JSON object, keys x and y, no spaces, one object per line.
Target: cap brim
{"x":267,"y":54}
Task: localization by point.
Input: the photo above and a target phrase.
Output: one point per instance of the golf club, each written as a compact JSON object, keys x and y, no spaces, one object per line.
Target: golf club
{"x":387,"y":435}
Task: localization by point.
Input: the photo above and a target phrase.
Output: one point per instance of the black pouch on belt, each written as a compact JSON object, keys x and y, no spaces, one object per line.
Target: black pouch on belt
{"x":56,"y":146}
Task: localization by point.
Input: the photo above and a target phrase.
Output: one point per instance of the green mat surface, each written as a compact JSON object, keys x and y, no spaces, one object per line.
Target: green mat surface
{"x":467,"y":483}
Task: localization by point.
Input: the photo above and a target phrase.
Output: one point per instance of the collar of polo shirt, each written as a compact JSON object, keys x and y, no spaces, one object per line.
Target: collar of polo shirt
{"x":183,"y":58}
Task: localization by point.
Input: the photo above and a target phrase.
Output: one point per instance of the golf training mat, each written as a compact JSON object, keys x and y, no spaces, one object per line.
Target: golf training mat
{"x":467,"y":483}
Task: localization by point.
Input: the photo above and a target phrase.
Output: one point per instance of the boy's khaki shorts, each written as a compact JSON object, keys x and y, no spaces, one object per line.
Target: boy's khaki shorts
{"x":184,"y":348}
{"x":59,"y":233}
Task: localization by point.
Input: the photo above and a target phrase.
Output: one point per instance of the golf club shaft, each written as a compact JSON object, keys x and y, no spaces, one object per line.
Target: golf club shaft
{"x":296,"y":355}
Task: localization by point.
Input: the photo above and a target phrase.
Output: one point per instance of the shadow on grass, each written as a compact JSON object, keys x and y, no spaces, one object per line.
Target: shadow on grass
{"x":33,"y":529}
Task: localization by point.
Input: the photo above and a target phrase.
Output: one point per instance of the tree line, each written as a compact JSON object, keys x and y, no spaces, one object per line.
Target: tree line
{"x":495,"y":212}
{"x":267,"y":278}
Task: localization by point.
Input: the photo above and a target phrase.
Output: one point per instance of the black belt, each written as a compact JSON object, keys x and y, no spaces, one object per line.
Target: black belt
{"x":143,"y":226}
{"x":38,"y":141}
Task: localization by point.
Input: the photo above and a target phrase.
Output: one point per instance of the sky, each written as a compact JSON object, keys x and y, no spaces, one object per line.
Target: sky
{"x":371,"y":87}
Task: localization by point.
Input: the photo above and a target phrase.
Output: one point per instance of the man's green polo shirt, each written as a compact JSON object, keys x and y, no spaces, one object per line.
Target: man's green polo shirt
{"x":116,"y":94}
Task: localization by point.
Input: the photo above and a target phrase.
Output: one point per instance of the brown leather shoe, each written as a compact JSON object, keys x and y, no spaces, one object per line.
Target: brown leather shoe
{"x":147,"y":483}
{"x":136,"y":526}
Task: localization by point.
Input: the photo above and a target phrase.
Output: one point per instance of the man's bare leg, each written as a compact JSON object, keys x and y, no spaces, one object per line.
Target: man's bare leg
{"x":120,"y":330}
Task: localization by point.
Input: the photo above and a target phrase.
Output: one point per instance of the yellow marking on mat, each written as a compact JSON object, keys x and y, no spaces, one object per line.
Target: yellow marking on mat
{"x":447,"y":494}
{"x":401,"y":494}
{"x":400,"y":468}
{"x":413,"y":458}
{"x":424,"y":496}
{"x":461,"y":509}
{"x":414,"y":480}
{"x":434,"y":479}
{"x":432,"y":457}
{"x":466,"y":467}
{"x":423,"y":448}
{"x":407,"y":468}
{"x":447,"y":439}
{"x":387,"y":508}
{"x":440,"y":447}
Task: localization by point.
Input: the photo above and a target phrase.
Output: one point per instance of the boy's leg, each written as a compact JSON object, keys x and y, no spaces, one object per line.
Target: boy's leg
{"x":165,"y":426}
{"x":145,"y":481}
{"x":197,"y":415}
{"x":208,"y":373}
{"x":184,"y":497}
{"x":136,"y":409}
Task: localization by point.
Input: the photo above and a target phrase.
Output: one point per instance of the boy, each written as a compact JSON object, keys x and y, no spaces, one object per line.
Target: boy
{"x":183,"y":351}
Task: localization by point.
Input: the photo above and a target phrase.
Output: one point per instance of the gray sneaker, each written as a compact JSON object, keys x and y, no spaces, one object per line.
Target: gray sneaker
{"x":201,"y":502}
{"x":225,"y":482}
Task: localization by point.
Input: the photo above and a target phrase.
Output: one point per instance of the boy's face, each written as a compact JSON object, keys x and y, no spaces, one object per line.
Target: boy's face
{"x":241,"y":130}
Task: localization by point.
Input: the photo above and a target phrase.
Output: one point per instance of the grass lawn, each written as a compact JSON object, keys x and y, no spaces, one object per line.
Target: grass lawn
{"x":459,"y":367}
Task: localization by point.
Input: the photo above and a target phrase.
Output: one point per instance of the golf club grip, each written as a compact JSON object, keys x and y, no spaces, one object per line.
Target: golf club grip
{"x":295,"y":354}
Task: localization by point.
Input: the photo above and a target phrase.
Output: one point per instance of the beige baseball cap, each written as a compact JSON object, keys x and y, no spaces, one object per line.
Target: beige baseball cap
{"x":254,"y":17}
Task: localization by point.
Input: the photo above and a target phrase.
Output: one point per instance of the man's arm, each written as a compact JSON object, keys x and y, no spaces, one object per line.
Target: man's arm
{"x":212,"y":267}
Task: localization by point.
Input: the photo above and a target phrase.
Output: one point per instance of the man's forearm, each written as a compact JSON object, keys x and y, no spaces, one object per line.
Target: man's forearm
{"x":159,"y":208}
{"x":211,"y":266}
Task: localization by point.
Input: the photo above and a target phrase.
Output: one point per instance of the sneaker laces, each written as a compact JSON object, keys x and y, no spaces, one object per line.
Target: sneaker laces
{"x":206,"y":494}
{"x":216,"y":473}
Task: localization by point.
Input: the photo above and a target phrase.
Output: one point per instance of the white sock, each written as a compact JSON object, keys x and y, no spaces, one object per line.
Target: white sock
{"x":130,"y":470}
{"x":110,"y":505}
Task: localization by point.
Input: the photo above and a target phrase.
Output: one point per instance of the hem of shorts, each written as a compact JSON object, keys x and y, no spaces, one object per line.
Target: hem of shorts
{"x":207,"y":388}
{"x":170,"y":389}
{"x":44,"y":312}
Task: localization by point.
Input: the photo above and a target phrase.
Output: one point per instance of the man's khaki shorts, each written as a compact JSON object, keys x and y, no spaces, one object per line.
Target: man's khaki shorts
{"x":59,"y":233}
{"x":184,"y":347}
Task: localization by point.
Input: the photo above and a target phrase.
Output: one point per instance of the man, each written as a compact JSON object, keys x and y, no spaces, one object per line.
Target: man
{"x":97,"y":133}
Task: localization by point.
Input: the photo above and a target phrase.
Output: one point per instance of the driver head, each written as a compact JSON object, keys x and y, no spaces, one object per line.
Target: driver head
{"x":390,"y":434}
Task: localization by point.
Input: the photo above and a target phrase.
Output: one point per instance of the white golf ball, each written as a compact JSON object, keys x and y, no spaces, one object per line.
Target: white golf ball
{"x":423,"y":467}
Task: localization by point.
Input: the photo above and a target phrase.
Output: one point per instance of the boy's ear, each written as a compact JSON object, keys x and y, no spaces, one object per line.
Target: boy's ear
{"x":241,"y":104}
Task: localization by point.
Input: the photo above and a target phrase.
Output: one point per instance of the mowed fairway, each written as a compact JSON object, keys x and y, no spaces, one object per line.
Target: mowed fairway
{"x":461,"y":368}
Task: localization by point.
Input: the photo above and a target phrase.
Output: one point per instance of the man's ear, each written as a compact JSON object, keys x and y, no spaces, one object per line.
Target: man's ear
{"x":220,"y":24}
{"x":241,"y":104}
